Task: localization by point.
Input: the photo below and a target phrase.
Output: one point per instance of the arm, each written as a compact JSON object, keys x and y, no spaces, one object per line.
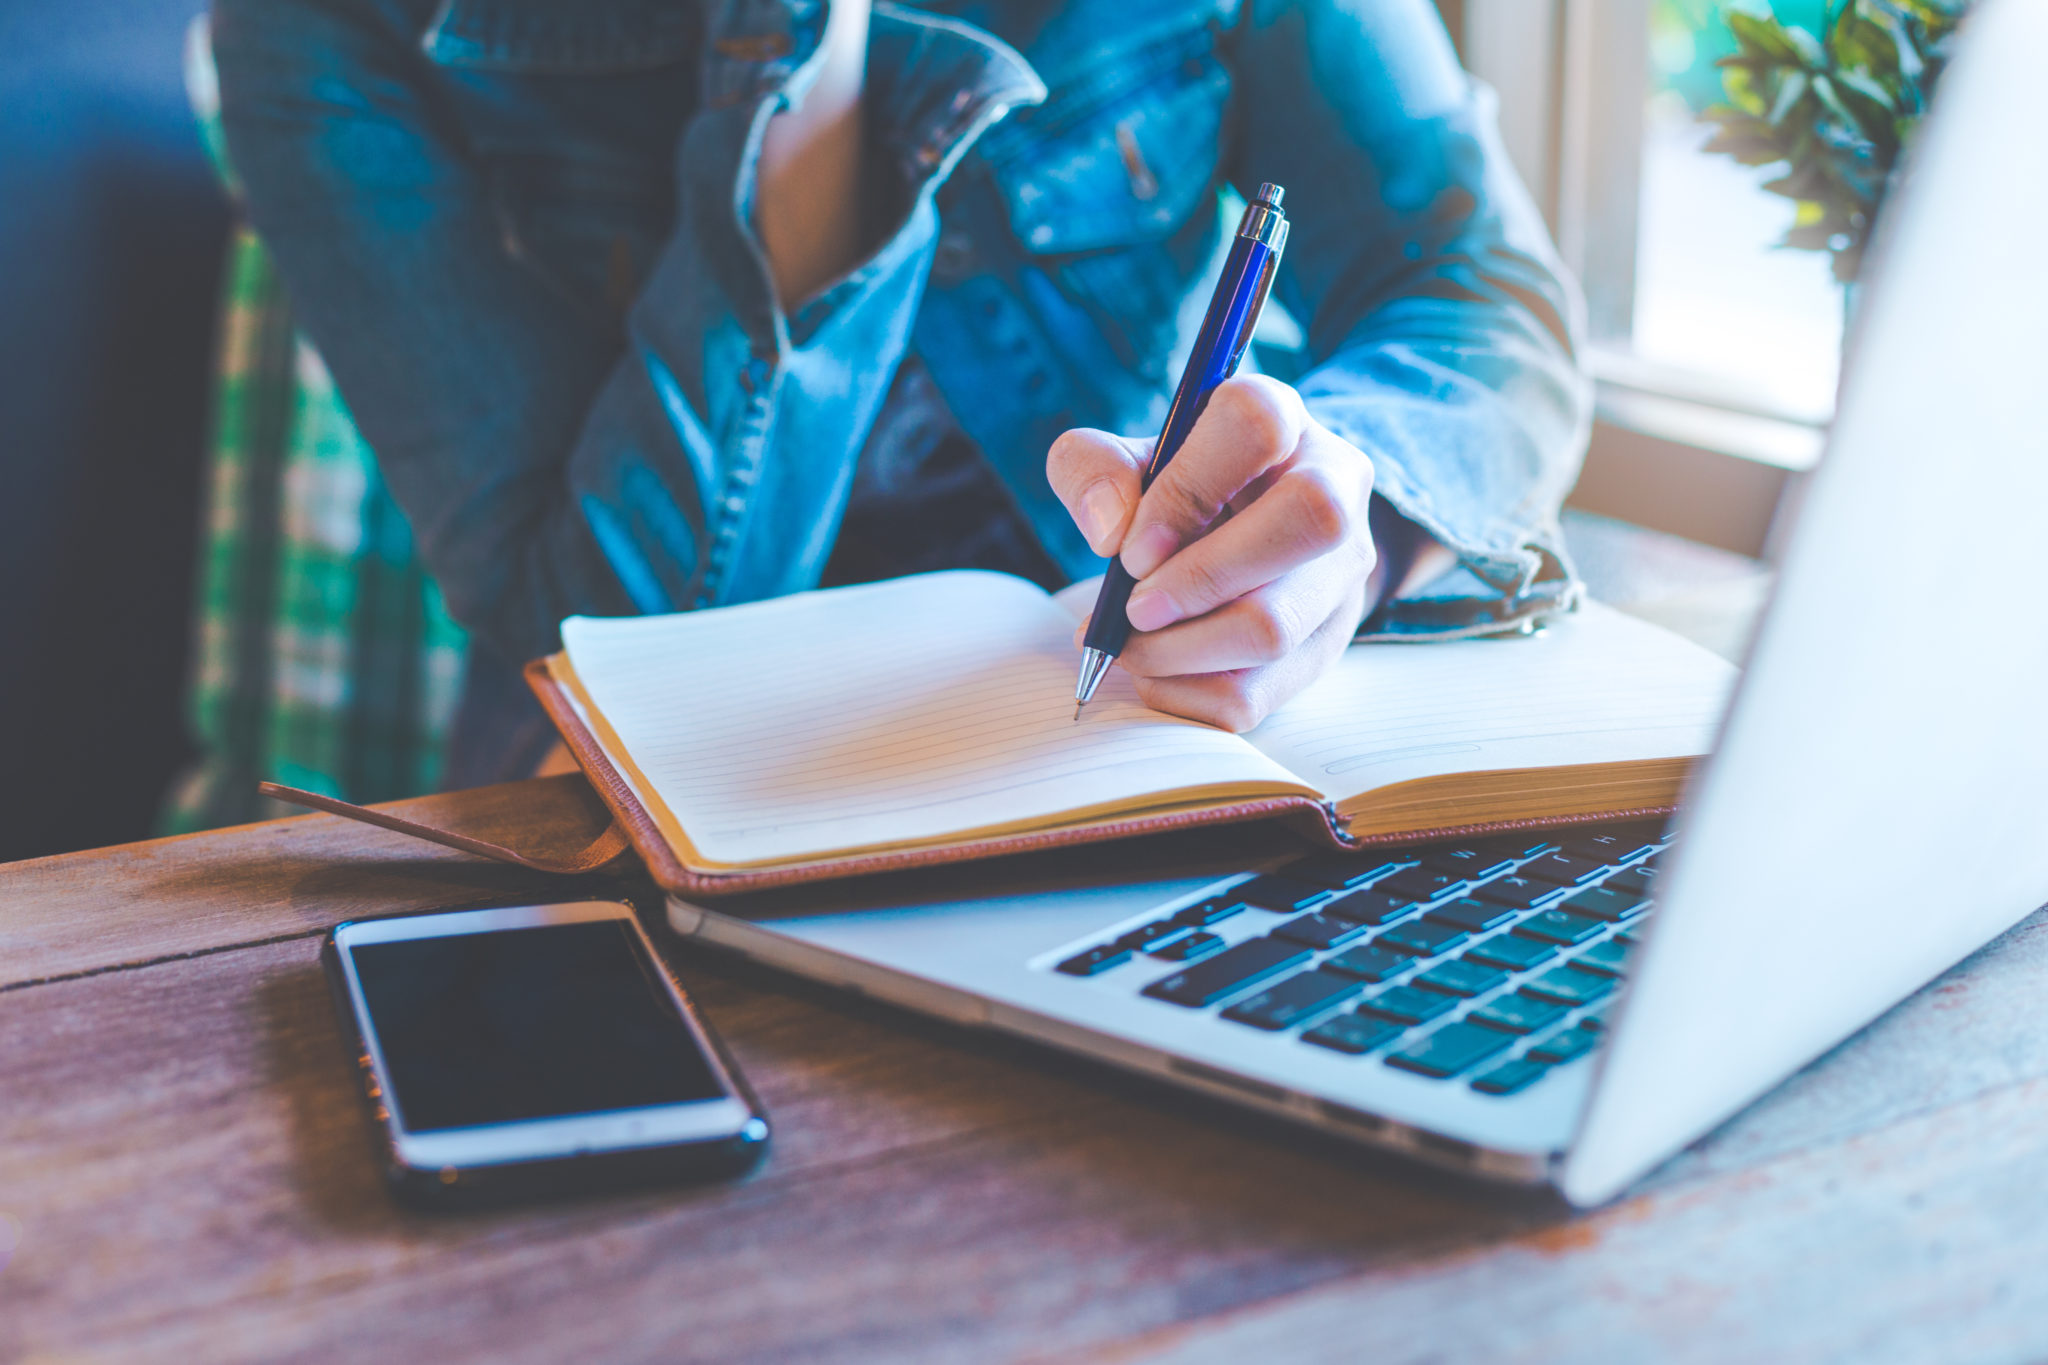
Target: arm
{"x":1442,"y":415}
{"x":550,"y":464}
{"x":1441,"y":326}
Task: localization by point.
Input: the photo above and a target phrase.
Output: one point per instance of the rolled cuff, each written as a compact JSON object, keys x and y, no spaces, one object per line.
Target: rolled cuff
{"x":1480,"y":461}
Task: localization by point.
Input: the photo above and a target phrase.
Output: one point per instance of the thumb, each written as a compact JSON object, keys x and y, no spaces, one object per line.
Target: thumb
{"x":1098,"y":478}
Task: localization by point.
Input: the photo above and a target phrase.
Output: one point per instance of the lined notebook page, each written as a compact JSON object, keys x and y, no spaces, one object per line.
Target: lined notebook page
{"x":1596,"y":687}
{"x":884,"y":714}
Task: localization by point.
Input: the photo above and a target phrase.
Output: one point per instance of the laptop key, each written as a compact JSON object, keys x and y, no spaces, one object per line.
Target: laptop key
{"x":1610,"y":848}
{"x":1517,"y":892}
{"x":1516,"y":846}
{"x":1423,"y":884}
{"x":1230,"y":971}
{"x":1460,"y":978}
{"x":1558,"y":926}
{"x":1572,"y":1042}
{"x":1408,"y":1005}
{"x":1570,"y":986}
{"x":1469,"y":863}
{"x":1368,"y":907}
{"x":1605,"y":902}
{"x":1470,"y":914}
{"x":1636,"y":881}
{"x":1193,"y":948}
{"x":1338,"y":871}
{"x":1214,"y":910}
{"x":1561,"y":869}
{"x":1421,"y":938}
{"x":1354,"y":1033}
{"x":1279,"y":893}
{"x":1098,"y":959}
{"x":1287,"y":1003}
{"x":1515,"y":954}
{"x":1320,"y":931}
{"x":1608,"y":957}
{"x":1517,"y":1013}
{"x":1145,"y":935}
{"x":1451,"y":1049}
{"x":1509,"y":1077}
{"x":1368,"y":963}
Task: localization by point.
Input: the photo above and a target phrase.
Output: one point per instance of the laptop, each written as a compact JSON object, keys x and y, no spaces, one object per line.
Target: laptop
{"x":1573,"y":1008}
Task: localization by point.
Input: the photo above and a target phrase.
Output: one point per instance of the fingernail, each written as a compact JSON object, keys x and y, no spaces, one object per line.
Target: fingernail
{"x":1148,"y":549}
{"x":1102,"y":510}
{"x":1149,"y":609}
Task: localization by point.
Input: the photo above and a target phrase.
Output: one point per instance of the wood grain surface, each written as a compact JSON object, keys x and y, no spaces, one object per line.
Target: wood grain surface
{"x":185,"y":1174}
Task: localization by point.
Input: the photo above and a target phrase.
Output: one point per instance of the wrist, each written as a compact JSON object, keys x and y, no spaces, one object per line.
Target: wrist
{"x":1407,"y":555}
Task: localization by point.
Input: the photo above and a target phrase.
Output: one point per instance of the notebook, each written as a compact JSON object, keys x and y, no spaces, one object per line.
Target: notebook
{"x":931,"y":718}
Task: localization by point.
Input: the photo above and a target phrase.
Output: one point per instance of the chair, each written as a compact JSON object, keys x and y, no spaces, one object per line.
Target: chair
{"x":324,"y":657}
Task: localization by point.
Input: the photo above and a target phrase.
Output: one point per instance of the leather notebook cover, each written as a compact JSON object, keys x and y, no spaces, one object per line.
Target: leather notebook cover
{"x":1307,"y":819}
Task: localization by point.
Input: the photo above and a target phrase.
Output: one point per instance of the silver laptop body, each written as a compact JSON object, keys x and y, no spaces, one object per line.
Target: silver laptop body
{"x":1876,"y":808}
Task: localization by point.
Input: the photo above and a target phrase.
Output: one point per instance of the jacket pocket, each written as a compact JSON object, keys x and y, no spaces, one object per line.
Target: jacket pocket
{"x":562,"y":35}
{"x":1120,"y":154}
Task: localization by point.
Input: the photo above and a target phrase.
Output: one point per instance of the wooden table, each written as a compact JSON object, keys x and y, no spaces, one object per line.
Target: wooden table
{"x":185,"y":1174}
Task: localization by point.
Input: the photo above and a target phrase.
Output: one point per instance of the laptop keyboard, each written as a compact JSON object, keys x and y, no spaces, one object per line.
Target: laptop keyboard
{"x":1486,"y":963}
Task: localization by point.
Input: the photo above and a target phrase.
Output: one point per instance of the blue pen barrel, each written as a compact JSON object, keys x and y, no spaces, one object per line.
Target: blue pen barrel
{"x":1226,"y":329}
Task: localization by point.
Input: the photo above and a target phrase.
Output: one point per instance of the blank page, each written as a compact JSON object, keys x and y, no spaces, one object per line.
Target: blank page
{"x":1595,"y":687}
{"x":887,"y":714}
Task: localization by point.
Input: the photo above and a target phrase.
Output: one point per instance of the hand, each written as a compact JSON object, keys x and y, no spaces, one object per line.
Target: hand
{"x":1252,"y":550}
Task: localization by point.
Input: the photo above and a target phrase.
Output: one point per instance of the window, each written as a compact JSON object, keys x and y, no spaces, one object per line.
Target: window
{"x":1714,"y":295}
{"x":1715,"y":351}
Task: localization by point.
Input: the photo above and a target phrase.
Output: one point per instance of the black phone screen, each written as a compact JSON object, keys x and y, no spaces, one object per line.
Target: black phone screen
{"x":517,"y":1024}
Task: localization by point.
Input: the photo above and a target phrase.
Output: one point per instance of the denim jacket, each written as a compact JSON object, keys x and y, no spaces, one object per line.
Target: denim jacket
{"x":519,"y":232}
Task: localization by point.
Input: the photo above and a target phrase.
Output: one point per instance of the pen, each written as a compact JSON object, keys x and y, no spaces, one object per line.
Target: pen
{"x":1226,"y":327}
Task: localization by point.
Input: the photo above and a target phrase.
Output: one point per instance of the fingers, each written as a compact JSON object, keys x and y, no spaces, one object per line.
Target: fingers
{"x":1249,"y":425}
{"x":1316,"y":506}
{"x":1252,"y":550}
{"x":1240,"y":699}
{"x":1099,"y":478}
{"x":1263,"y":627}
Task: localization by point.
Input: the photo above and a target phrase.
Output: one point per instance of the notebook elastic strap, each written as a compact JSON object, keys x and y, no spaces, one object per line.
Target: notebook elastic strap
{"x":600,"y":851}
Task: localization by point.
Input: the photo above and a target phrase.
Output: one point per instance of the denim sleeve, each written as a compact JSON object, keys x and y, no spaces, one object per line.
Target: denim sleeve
{"x":1440,"y":325}
{"x":549,"y":468}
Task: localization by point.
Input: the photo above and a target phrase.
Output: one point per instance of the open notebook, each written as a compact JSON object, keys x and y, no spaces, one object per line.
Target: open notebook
{"x":931,"y":718}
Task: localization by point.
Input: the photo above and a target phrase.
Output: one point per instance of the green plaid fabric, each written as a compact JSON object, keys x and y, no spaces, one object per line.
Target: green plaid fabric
{"x":324,"y":657}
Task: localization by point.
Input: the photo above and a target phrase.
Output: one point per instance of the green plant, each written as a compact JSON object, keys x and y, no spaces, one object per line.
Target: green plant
{"x":1836,"y":110}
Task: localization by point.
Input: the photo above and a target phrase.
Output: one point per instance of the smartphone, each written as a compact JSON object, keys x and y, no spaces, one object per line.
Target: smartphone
{"x":531,"y":1051}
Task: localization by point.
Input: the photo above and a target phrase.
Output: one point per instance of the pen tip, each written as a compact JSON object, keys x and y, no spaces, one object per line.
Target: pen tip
{"x":1077,"y":709}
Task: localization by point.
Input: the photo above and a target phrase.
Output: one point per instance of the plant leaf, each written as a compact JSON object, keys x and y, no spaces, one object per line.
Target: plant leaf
{"x":1834,"y":109}
{"x":1790,"y":92}
{"x":1762,"y":36}
{"x":1807,"y":46}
